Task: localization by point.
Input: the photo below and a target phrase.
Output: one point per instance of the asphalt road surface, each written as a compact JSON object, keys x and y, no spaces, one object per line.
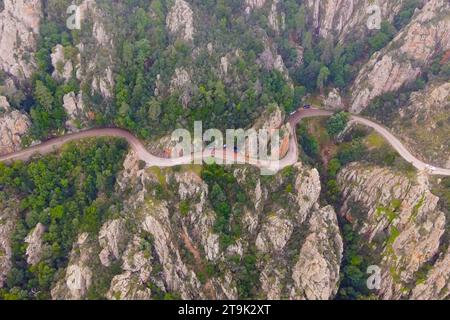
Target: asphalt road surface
{"x":291,"y":157}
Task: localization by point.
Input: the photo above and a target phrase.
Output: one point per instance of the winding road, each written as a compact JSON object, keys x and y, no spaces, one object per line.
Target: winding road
{"x":290,"y":158}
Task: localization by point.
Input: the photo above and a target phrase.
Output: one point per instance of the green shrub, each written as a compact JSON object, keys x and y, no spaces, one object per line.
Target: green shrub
{"x":337,"y":123}
{"x":69,"y":193}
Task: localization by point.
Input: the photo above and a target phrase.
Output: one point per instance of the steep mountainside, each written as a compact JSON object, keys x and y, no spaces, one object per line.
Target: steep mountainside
{"x":348,"y":18}
{"x":402,"y":230}
{"x":409,"y":54}
{"x":91,"y":222}
{"x":19,"y":30}
{"x":424,"y":123}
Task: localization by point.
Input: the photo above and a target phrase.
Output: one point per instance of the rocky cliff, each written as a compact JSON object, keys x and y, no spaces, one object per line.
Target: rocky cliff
{"x":93,"y":62}
{"x":19,"y":29}
{"x":77,"y":278}
{"x":403,"y":60}
{"x":13,"y":125}
{"x":170,"y":245}
{"x":202,"y":233}
{"x":437,"y":284}
{"x":180,"y":20}
{"x":423,"y":123}
{"x":404,"y":228}
{"x":340,"y":19}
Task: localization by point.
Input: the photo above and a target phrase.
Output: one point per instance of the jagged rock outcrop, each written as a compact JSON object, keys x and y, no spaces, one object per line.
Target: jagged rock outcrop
{"x":275,"y":233}
{"x":130,"y":172}
{"x":78,"y":275}
{"x":251,"y":5}
{"x":226,"y":65}
{"x":201,"y":218}
{"x":112,"y":238}
{"x":316,"y":231}
{"x":405,"y":57}
{"x":333,"y":100}
{"x":13,"y":125}
{"x":73,"y":104}
{"x":176,"y":274}
{"x":272,"y":118}
{"x":316,"y":273}
{"x":180,"y":20}
{"x":437,"y":284}
{"x":181,"y":82}
{"x":299,"y":50}
{"x":342,"y":18}
{"x":307,"y":187}
{"x":96,"y":58}
{"x":63,"y":66}
{"x":400,"y":219}
{"x":277,"y":19}
{"x":180,"y":79}
{"x":171,"y":245}
{"x":154,"y":220}
{"x":162,"y":234}
{"x":255,"y":4}
{"x":19,"y":28}
{"x":137,"y":264}
{"x":4,"y":105}
{"x":423,"y":123}
{"x":105,"y":83}
{"x":272,"y":61}
{"x":35,"y":246}
{"x":123,"y":287}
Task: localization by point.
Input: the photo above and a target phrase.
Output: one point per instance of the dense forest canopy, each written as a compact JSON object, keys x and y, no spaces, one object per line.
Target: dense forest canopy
{"x":142,"y":52}
{"x":68,"y":193}
{"x":227,"y":75}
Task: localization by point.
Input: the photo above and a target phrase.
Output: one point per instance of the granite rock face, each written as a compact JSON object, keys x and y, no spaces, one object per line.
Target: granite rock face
{"x":333,"y":100}
{"x":437,"y":284}
{"x":111,"y":239}
{"x":181,"y":82}
{"x":164,"y":246}
{"x":74,"y":106}
{"x":35,"y":245}
{"x":13,"y":125}
{"x":78,"y":275}
{"x":406,"y":56}
{"x":137,"y":267}
{"x":401,"y":221}
{"x":19,"y":28}
{"x":340,"y":19}
{"x":63,"y":66}
{"x":316,"y":273}
{"x":423,"y":123}
{"x":180,"y":20}
{"x":95,"y":59}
